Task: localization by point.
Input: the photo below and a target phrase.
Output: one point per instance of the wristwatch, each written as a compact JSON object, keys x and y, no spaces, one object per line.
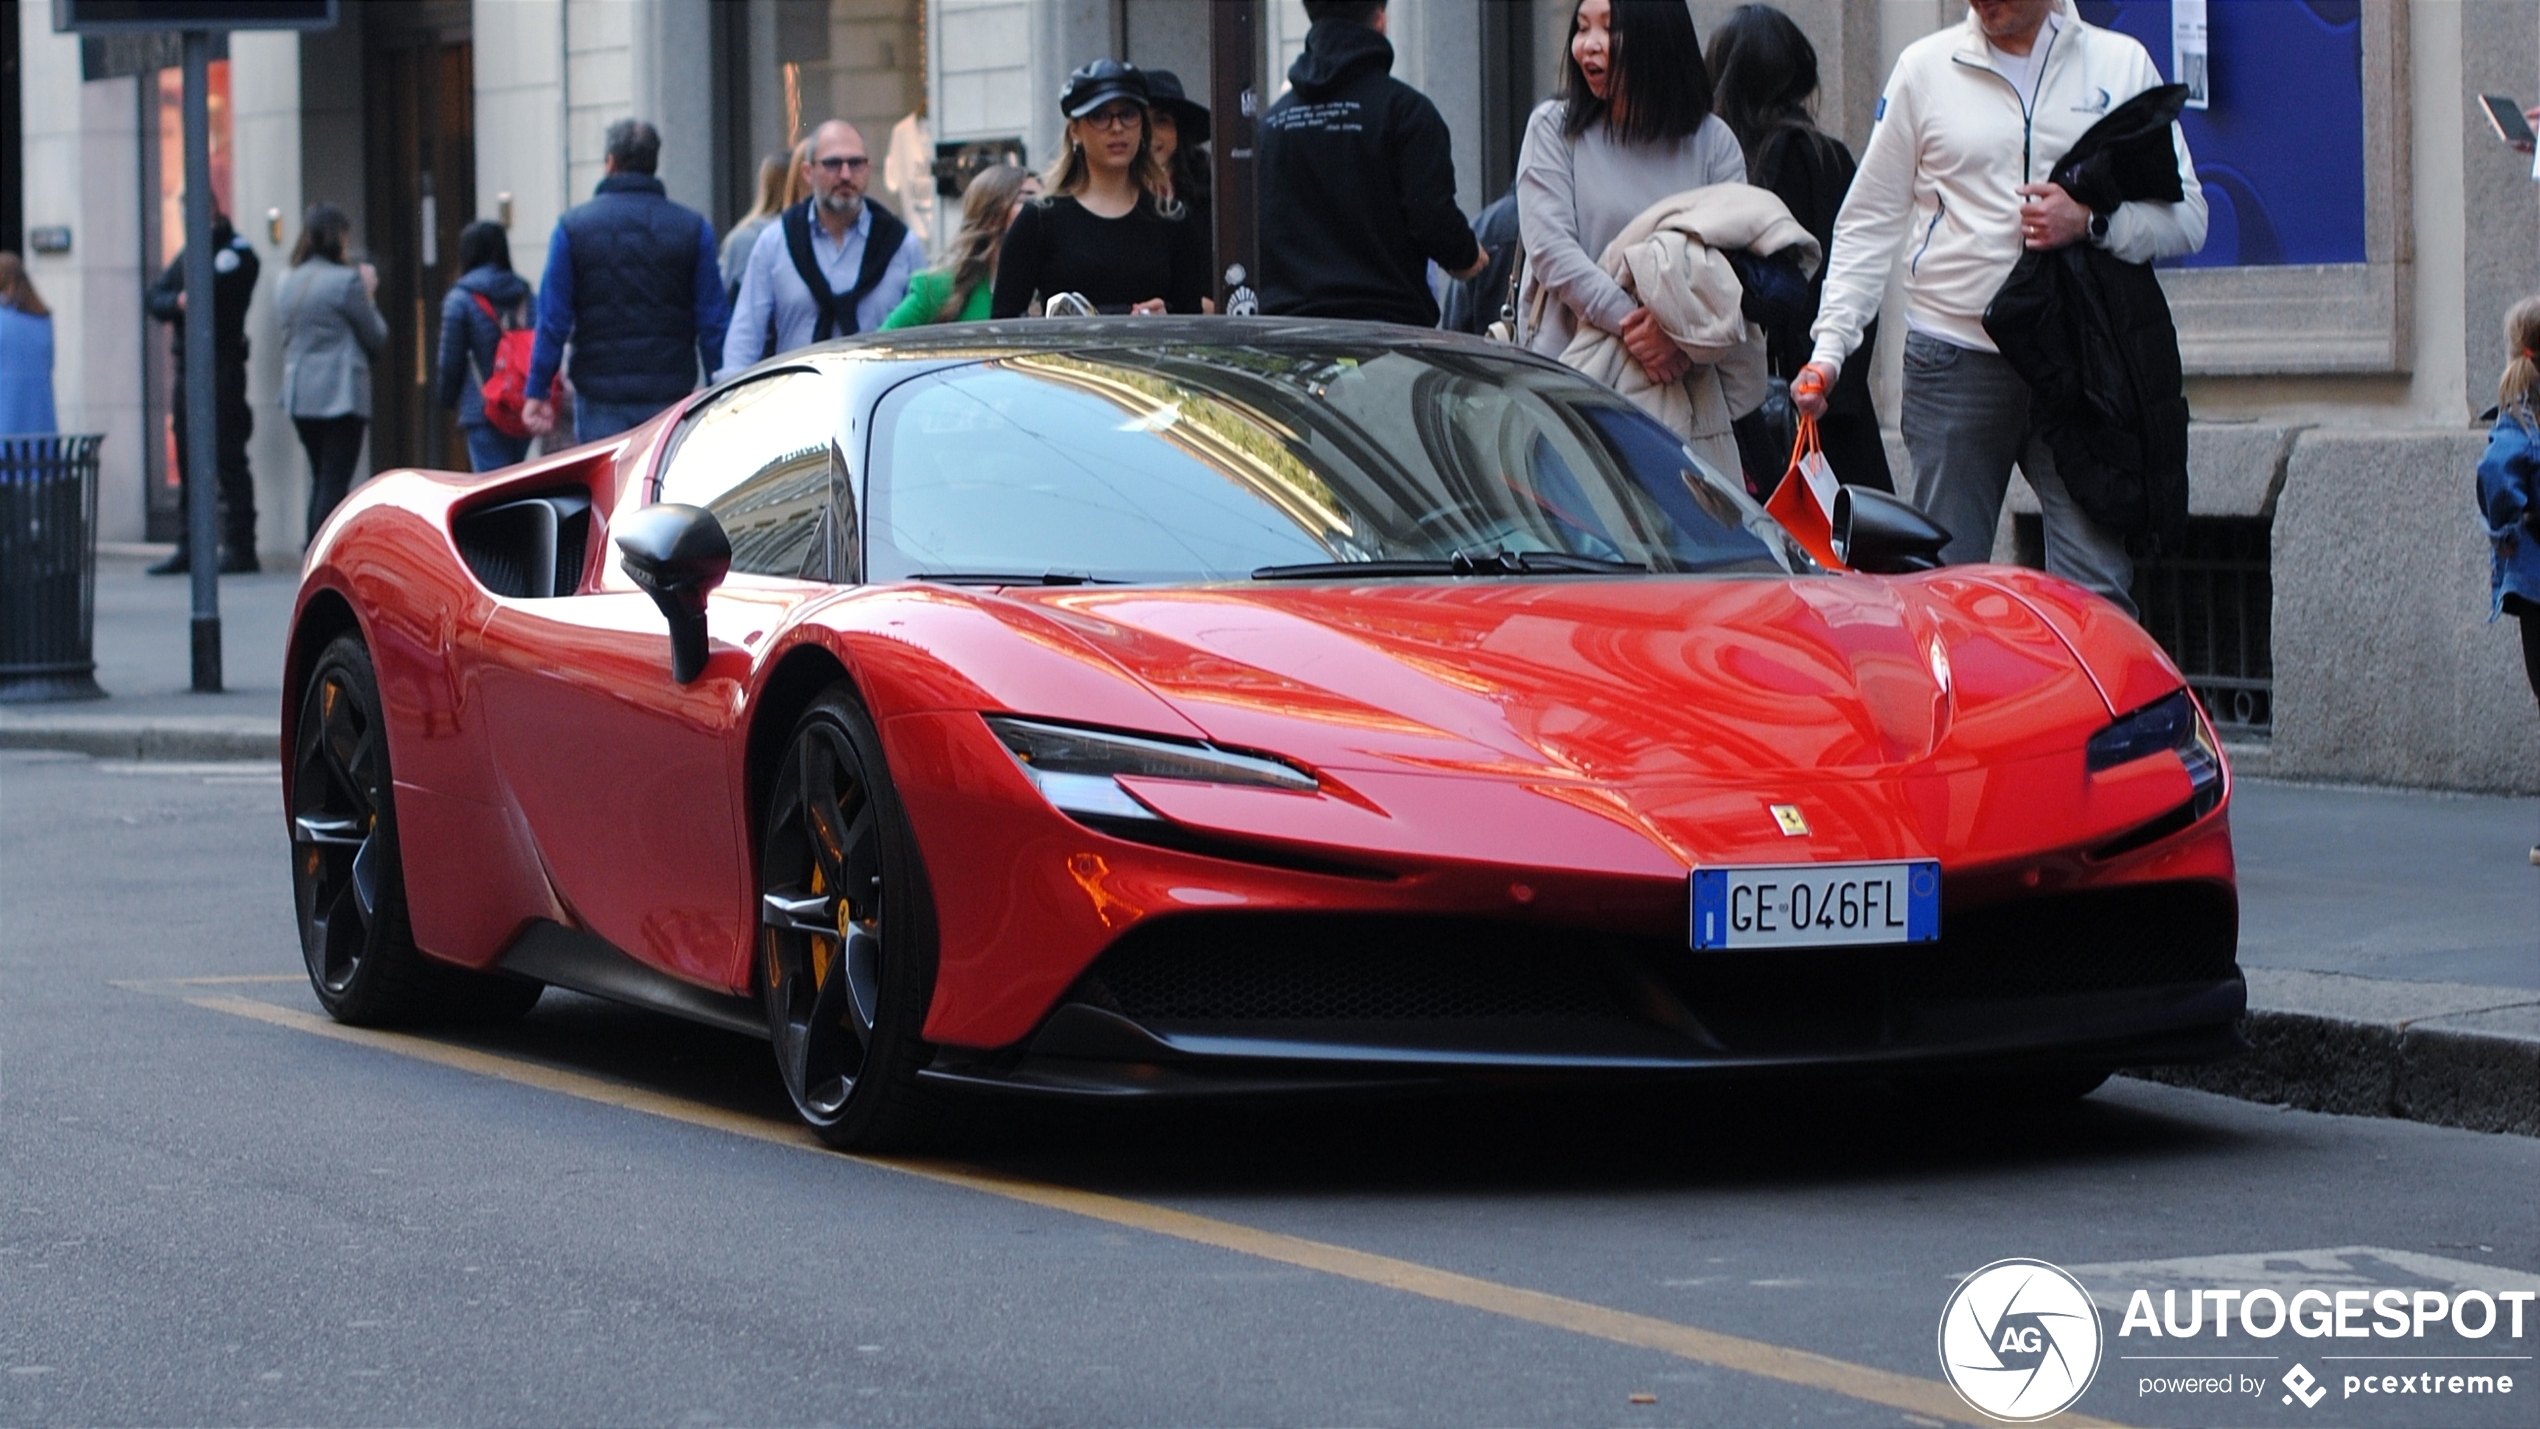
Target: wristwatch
{"x":2099,"y":228}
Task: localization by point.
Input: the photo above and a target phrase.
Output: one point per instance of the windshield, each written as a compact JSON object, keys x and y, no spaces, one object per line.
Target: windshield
{"x":1204,"y":464}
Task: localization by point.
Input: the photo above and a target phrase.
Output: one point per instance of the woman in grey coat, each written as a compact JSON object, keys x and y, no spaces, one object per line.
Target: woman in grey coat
{"x":330,"y":331}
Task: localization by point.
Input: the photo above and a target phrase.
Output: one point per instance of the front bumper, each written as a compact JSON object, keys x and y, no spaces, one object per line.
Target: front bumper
{"x":1194,"y":1003}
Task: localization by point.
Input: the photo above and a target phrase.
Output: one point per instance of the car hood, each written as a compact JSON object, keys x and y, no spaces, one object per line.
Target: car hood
{"x":1599,"y":681}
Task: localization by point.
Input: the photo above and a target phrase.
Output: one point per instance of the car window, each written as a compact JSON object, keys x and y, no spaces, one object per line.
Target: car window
{"x":997,"y":470}
{"x":759,"y":458}
{"x":1209,"y":464}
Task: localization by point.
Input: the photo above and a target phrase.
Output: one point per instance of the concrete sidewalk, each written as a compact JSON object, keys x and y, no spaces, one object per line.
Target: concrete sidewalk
{"x":2392,"y":938}
{"x":144,"y":651}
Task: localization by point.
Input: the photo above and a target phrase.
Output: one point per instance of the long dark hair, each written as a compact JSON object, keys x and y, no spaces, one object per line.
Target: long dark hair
{"x":1656,"y":70}
{"x":1763,"y":71}
{"x":484,"y":244}
{"x":985,"y":207}
{"x":322,"y":234}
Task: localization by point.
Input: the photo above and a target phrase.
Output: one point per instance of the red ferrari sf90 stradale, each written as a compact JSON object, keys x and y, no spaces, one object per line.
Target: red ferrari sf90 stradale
{"x":1162,"y":706}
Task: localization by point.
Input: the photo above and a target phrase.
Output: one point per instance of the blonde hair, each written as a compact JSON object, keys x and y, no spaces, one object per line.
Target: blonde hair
{"x":17,"y":290}
{"x":985,"y":206}
{"x":772,"y":184}
{"x":2515,"y":390}
{"x":797,"y":188}
{"x":1071,"y":171}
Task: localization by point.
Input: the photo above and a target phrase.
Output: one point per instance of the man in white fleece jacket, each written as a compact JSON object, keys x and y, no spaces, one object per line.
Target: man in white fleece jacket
{"x":1971,"y":125}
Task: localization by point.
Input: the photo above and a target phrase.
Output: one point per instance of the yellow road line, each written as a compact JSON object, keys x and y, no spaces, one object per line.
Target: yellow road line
{"x":166,"y":986}
{"x":1760,"y":1358}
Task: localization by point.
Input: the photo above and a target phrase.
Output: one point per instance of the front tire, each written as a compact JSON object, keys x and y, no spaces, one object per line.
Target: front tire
{"x":847,"y":935}
{"x":348,"y":875}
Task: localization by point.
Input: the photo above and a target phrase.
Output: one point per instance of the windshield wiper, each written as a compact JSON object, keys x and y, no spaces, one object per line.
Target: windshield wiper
{"x":1535,"y":563}
{"x":1462,"y":563}
{"x":1012,"y":578}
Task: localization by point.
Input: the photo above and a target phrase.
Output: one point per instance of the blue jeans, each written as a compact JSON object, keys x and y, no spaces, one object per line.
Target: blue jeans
{"x":1965,"y":423}
{"x":595,"y":420}
{"x":489,"y":450}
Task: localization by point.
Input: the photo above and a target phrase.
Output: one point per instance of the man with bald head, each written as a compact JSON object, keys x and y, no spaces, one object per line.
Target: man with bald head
{"x":834,"y":265}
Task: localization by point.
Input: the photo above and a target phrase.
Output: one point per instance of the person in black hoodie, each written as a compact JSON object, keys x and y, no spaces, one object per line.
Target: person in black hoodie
{"x":1356,"y":181}
{"x":234,"y":269}
{"x":469,"y":335}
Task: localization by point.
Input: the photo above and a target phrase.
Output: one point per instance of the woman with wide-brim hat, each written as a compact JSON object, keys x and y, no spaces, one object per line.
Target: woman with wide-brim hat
{"x":1177,"y":126}
{"x":1109,"y":228}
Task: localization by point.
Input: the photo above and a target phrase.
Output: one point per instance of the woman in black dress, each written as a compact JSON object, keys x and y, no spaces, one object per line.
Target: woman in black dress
{"x":1763,"y":76}
{"x":1109,"y":230}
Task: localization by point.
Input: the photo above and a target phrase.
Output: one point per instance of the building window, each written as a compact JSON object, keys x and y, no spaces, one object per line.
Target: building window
{"x":2281,"y":147}
{"x":162,"y":239}
{"x":2212,"y":606}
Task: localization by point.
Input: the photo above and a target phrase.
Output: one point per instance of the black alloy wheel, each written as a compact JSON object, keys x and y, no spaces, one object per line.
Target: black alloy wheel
{"x":847,"y":932}
{"x":347,"y":877}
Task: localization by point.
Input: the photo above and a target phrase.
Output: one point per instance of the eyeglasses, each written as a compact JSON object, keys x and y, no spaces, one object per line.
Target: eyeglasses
{"x":836,"y":162}
{"x":1123,"y":116}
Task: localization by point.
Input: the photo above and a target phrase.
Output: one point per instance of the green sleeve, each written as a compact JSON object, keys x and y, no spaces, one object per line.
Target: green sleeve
{"x":926,"y":293}
{"x":982,"y":298}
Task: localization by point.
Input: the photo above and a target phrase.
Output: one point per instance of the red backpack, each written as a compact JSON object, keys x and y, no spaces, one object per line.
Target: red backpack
{"x":507,"y":390}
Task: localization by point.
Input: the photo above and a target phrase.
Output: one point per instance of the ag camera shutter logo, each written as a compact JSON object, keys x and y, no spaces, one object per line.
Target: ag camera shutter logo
{"x":2019,"y":1340}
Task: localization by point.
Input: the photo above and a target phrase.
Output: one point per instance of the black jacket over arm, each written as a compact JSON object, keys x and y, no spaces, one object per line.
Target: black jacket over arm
{"x":2093,"y":335}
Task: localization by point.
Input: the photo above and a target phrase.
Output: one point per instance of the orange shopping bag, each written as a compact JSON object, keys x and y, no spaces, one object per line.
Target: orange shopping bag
{"x":1804,"y":502}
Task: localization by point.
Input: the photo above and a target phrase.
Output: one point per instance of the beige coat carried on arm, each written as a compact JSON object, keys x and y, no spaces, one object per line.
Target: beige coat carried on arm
{"x":1673,"y":260}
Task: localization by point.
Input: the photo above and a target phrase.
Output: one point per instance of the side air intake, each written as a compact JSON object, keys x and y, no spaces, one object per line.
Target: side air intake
{"x":527,"y":548}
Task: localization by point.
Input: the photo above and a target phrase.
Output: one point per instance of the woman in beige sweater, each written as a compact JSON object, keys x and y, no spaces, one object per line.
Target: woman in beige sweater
{"x":1633,"y":125}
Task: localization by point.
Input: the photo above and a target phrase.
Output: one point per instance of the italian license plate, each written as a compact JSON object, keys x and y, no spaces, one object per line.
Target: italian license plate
{"x":1816,"y":905}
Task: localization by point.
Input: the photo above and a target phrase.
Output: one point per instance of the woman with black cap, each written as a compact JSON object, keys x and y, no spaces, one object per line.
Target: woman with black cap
{"x":1176,"y":126}
{"x":1109,"y":230}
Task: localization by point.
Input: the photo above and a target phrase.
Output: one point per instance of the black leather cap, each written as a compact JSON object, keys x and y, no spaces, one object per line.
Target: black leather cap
{"x":1164,"y":91}
{"x":1095,"y":85}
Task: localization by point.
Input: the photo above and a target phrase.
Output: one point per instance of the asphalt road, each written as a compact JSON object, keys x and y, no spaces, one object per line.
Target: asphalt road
{"x":215,"y":1211}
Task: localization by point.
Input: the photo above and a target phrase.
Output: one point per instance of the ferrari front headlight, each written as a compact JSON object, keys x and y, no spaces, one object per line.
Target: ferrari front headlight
{"x":2168,"y":723}
{"x":1076,"y":768}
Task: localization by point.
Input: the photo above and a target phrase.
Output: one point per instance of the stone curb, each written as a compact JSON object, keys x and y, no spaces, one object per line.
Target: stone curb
{"x":205,"y":737}
{"x":2465,"y":1057}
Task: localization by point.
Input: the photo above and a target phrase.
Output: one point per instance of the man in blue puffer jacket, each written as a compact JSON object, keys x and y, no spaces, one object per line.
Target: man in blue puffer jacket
{"x":632,"y":281}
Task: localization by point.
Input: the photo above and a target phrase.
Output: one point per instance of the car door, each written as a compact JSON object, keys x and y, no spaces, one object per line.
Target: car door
{"x":628,"y":781}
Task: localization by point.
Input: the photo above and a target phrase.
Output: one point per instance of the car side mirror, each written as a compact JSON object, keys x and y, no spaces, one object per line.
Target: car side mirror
{"x":1883,"y":534}
{"x":677,"y":554}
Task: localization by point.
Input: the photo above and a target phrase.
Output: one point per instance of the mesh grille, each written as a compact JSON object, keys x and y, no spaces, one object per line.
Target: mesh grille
{"x":1823,"y":1000}
{"x":1298,"y":969}
{"x":1351,"y":970}
{"x":2086,"y":942}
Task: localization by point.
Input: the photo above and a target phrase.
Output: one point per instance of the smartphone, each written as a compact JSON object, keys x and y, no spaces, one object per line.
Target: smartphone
{"x":2504,"y":115}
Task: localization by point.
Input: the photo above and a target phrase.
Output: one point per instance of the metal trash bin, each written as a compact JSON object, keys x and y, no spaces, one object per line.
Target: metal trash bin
{"x":48,"y":568}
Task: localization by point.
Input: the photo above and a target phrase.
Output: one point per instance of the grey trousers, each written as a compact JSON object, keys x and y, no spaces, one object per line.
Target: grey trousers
{"x":1965,"y":422}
